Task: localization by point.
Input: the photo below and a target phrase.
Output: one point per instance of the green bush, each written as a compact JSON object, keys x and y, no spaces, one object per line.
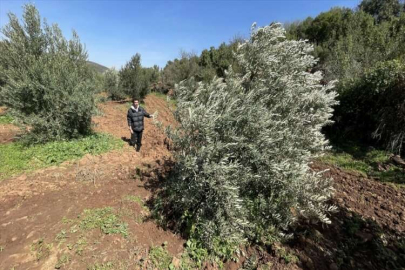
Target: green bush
{"x":48,"y":84}
{"x":373,"y":106}
{"x":244,"y":145}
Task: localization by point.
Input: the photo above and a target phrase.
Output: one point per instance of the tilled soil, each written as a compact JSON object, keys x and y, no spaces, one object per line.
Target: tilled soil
{"x":381,"y":202}
{"x":39,"y":212}
{"x":34,"y":207}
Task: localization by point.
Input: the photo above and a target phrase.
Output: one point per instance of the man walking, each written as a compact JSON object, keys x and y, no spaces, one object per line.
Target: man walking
{"x":135,"y":122}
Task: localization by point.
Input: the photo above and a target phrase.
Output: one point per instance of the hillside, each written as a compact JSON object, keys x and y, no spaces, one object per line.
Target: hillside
{"x":99,"y":68}
{"x":102,"y":214}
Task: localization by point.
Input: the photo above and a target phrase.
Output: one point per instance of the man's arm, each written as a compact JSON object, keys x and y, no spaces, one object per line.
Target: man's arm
{"x":129,"y":121}
{"x":146,"y":114}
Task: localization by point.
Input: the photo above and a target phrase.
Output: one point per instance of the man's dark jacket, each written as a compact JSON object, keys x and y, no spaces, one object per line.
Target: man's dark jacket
{"x":135,"y":118}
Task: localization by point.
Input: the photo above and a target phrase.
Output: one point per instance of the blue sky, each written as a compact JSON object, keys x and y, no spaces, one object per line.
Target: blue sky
{"x":113,"y":31}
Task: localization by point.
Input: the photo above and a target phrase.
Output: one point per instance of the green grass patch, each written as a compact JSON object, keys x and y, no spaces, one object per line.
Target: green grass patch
{"x":346,"y":161}
{"x":16,"y":157}
{"x":136,"y":199}
{"x":103,"y":219}
{"x":101,"y":266}
{"x":6,"y":119}
{"x":62,"y":261}
{"x":366,"y":161}
{"x":160,"y":257}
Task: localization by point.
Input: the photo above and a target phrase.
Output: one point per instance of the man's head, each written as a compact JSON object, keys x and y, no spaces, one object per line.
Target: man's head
{"x":135,"y":101}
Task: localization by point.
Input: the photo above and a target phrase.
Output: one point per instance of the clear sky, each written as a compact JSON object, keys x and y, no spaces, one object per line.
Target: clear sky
{"x":113,"y":31}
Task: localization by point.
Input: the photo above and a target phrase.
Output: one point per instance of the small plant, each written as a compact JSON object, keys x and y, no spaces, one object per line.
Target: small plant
{"x":160,"y":257}
{"x":196,"y":251}
{"x":6,"y":119}
{"x":136,"y":199}
{"x":80,"y":245}
{"x":66,"y":220}
{"x":103,"y":219}
{"x":287,"y":256}
{"x":63,"y":260}
{"x":41,"y":249}
{"x":102,"y":266}
{"x":61,"y":237}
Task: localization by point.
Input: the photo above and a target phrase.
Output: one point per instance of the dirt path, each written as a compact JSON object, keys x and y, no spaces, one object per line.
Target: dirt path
{"x":34,"y":208}
{"x":43,"y":218}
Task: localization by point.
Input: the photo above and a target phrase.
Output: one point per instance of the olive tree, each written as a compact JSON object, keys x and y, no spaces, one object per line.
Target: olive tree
{"x":47,"y":83}
{"x":245,"y":143}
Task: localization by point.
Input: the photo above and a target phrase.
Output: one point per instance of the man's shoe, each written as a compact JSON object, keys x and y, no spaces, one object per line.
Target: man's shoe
{"x":138,"y":148}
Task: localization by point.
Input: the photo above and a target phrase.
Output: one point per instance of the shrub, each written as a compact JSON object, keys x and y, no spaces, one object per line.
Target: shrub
{"x":373,"y":106}
{"x":244,"y":145}
{"x":48,"y":84}
{"x":112,"y":84}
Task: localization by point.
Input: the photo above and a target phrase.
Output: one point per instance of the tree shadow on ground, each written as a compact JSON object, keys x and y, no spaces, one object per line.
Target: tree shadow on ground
{"x":349,"y":242}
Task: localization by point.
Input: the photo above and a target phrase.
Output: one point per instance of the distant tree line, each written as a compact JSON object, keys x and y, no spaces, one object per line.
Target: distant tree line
{"x":211,"y":63}
{"x":364,"y":49}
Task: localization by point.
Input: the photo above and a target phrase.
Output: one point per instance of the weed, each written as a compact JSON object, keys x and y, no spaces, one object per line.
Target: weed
{"x":251,"y":263}
{"x":17,"y":157}
{"x":196,"y":252}
{"x":41,"y":249}
{"x":365,"y":161}
{"x":74,"y":229}
{"x":61,"y":237}
{"x":1,"y":248}
{"x":103,"y":219}
{"x":287,"y":256}
{"x":136,"y":199}
{"x":80,"y":245}
{"x":64,"y":259}
{"x":103,"y":266}
{"x":353,"y":225}
{"x":160,"y":257}
{"x":66,"y":220}
{"x":6,"y":119}
{"x":69,"y":246}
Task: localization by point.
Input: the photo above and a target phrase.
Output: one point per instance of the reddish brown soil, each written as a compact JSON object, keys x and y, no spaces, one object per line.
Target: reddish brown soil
{"x":382,"y":203}
{"x":366,"y":233}
{"x":32,"y":207}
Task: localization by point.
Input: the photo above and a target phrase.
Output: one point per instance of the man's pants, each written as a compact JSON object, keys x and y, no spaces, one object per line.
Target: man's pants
{"x":136,"y":138}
